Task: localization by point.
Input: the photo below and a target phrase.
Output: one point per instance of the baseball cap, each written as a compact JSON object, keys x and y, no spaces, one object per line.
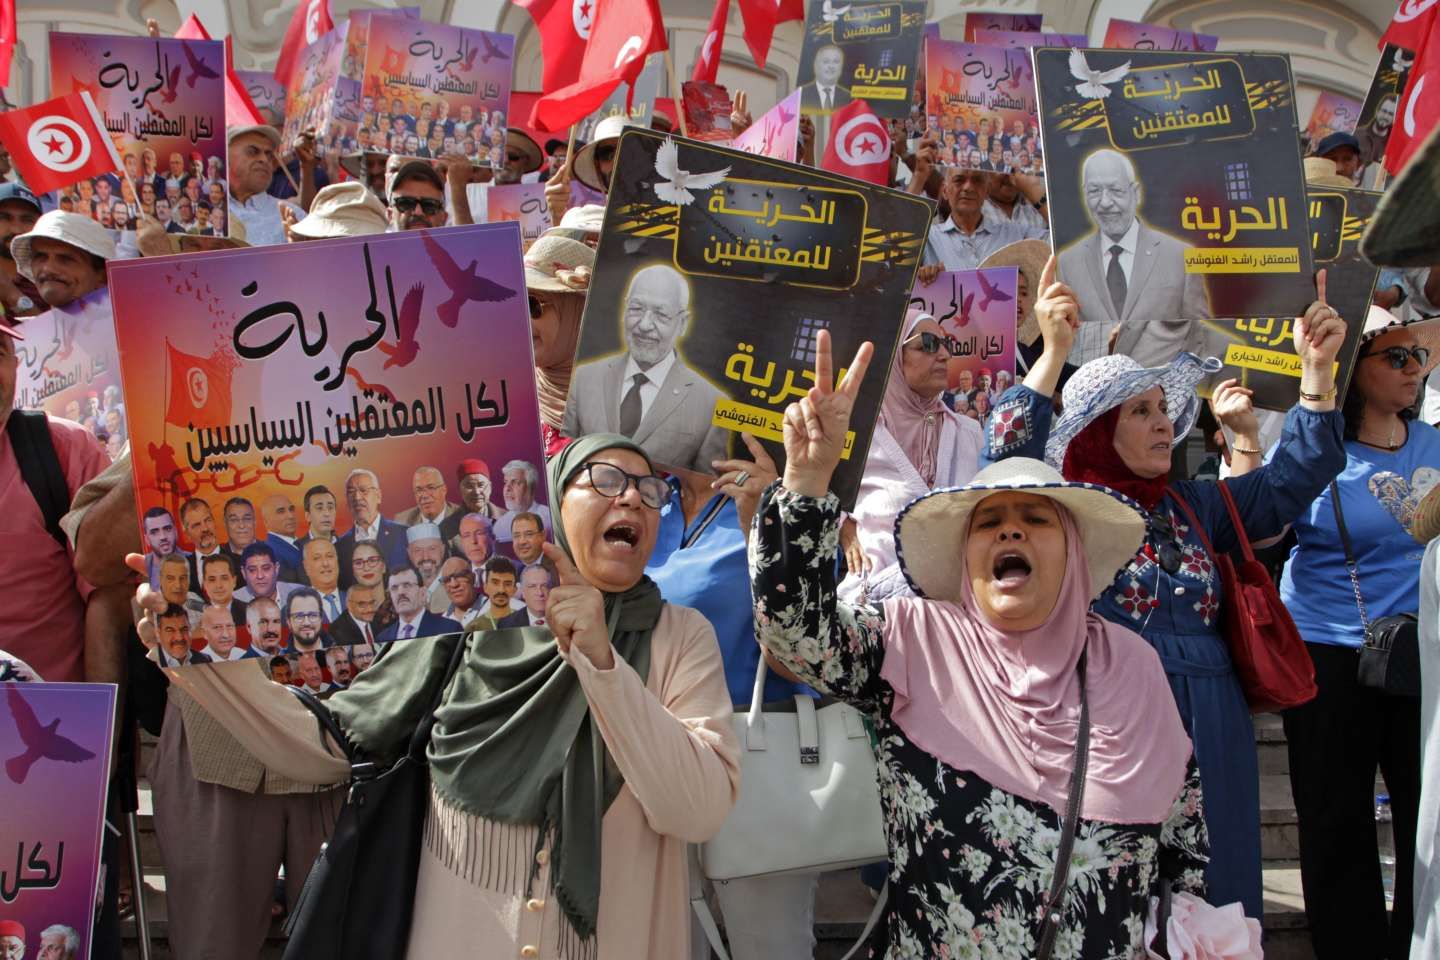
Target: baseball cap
{"x":414,"y":169}
{"x":1335,"y":141}
{"x":18,"y":191}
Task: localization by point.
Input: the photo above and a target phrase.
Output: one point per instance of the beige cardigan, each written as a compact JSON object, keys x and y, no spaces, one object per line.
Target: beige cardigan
{"x":671,"y":739}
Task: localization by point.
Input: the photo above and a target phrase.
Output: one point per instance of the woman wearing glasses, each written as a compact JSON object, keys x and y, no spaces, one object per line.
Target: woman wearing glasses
{"x":919,"y":445}
{"x":1338,"y":739}
{"x":569,"y":765}
{"x":1120,"y":425}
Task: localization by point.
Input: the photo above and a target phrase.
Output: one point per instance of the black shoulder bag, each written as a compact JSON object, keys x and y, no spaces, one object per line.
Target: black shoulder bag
{"x":1053,"y":908}
{"x":1390,"y":656}
{"x":359,"y":898}
{"x":40,"y":467}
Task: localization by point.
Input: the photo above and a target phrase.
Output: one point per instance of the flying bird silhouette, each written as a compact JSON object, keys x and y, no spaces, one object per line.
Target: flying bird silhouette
{"x":784,"y":116}
{"x":491,"y":51}
{"x":198,"y":69}
{"x":965,"y":304}
{"x":1093,"y":84}
{"x":41,"y":742}
{"x":676,"y":184}
{"x":465,"y":285}
{"x":172,"y":86}
{"x":406,"y":346}
{"x":830,"y":13}
{"x":990,"y":293}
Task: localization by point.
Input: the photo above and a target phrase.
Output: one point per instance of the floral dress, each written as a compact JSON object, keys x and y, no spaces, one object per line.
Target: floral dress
{"x":970,"y":864}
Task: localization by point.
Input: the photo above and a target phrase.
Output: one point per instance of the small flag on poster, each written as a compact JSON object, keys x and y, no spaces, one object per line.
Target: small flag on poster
{"x":55,"y":143}
{"x":311,"y":21}
{"x":199,"y":391}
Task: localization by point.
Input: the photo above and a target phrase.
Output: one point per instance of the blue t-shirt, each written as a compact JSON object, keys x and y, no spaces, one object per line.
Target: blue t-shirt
{"x":712,"y":575}
{"x":1379,"y":492}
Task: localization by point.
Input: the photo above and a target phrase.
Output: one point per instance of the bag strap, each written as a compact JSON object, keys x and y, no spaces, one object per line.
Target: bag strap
{"x":1053,"y":907}
{"x":1351,"y":565}
{"x":712,"y":929}
{"x":1241,"y":537}
{"x":324,"y":719}
{"x":1195,"y":523}
{"x":40,"y":468}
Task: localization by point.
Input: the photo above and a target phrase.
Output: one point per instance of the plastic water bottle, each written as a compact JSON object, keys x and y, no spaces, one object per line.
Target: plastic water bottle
{"x":1385,"y":837}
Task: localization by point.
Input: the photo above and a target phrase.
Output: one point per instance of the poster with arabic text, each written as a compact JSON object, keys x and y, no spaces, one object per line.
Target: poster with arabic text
{"x":978,"y":312}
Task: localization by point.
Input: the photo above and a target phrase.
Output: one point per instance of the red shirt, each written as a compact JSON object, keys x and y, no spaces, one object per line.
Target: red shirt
{"x":42,"y":601}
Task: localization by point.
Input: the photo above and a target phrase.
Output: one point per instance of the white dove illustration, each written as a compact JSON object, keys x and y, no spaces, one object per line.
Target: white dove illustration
{"x":830,"y":13}
{"x":1092,"y":83}
{"x":677,"y":183}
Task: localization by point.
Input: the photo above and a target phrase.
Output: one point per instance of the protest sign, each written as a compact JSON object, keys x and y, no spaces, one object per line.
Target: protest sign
{"x":975,"y":22}
{"x":707,"y":109}
{"x":982,"y":107}
{"x":1338,"y":218}
{"x":1133,"y":35}
{"x":776,"y":133}
{"x":433,"y":89}
{"x":1026,"y":39}
{"x":1178,"y":161}
{"x":266,"y":93}
{"x":1332,"y":113}
{"x":861,"y":51}
{"x":163,"y":103}
{"x":641,"y":104}
{"x":310,"y":98}
{"x":381,"y":407}
{"x":55,"y":742}
{"x":716,"y":270}
{"x":68,"y":367}
{"x":1377,"y":113}
{"x":522,"y":202}
{"x":978,"y":311}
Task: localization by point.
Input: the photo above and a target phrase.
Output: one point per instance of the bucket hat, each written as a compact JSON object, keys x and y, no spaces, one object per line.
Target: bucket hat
{"x":343,"y":210}
{"x":78,"y":231}
{"x":607,"y":131}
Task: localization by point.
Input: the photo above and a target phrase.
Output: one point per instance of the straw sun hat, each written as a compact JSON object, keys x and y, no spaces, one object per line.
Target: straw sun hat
{"x":557,"y":264}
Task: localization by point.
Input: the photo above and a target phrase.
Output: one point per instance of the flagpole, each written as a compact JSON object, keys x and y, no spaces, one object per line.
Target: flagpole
{"x":677,"y":93}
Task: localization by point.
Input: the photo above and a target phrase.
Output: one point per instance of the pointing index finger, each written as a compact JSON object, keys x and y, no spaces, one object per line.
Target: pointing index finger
{"x":1320,"y":287}
{"x":1047,"y":276}
{"x":564,"y":568}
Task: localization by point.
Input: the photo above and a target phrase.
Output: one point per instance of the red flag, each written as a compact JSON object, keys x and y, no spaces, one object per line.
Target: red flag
{"x":623,"y":33}
{"x":55,"y":143}
{"x":8,"y":33}
{"x":310,"y":22}
{"x":240,"y":110}
{"x":564,"y":27}
{"x":761,"y":18}
{"x":1419,"y":109}
{"x":859,"y":144}
{"x":192,"y":29}
{"x":199,"y":390}
{"x":707,"y":64}
{"x":1411,"y":24}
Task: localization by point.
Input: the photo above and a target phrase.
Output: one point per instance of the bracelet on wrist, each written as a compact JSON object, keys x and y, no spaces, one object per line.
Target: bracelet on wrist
{"x":1325,"y":397}
{"x":1249,"y":452}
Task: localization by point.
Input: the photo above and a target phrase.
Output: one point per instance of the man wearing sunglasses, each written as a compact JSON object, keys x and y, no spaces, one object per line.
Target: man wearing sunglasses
{"x":416,"y":196}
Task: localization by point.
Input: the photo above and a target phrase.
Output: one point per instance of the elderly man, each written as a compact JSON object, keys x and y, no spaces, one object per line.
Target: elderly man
{"x":266,"y":627}
{"x":459,"y":583}
{"x":219,"y":632}
{"x":175,"y":586}
{"x":527,"y":538}
{"x":357,"y":623}
{"x":262,"y":575}
{"x":172,"y":630}
{"x":477,"y":542}
{"x":305,"y":619}
{"x":824,"y":94}
{"x":431,"y":504}
{"x":1127,"y":274}
{"x":648,"y":393}
{"x":219,"y":575}
{"x":426,"y":552}
{"x":320,"y":509}
{"x":239,"y":515}
{"x":407,"y":596}
{"x":322,"y":571}
{"x":1344,"y":150}
{"x":59,"y":942}
{"x":968,"y":236}
{"x":363,"y":497}
{"x":19,"y":209}
{"x":254,"y":158}
{"x":282,"y":525}
{"x":161,"y":537}
{"x":476,"y":489}
{"x":535,"y":584}
{"x":310,"y":667}
{"x":521,"y":478}
{"x":12,"y":932}
{"x":338,"y":660}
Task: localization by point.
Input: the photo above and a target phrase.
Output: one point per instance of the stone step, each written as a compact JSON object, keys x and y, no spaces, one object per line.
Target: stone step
{"x":1270,"y":745}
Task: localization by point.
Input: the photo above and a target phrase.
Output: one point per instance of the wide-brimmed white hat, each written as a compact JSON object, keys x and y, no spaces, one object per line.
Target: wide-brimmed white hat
{"x":1322,"y":172}
{"x":77,"y":230}
{"x":1425,"y":329}
{"x":1107,"y":382}
{"x":558,"y":264}
{"x":343,"y":210}
{"x":1425,"y":524}
{"x":265,"y":130}
{"x":589,"y":217}
{"x":607,"y":131}
{"x":521,"y":142}
{"x":932,"y":529}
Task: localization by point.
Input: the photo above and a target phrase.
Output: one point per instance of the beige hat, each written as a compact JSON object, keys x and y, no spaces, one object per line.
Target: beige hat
{"x":1029,"y":257}
{"x":1321,"y":172}
{"x":1426,"y":331}
{"x":266,"y":131}
{"x":589,"y":217}
{"x":1425,"y":524}
{"x":75,"y":229}
{"x":557,"y":264}
{"x":521,"y":142}
{"x":607,"y":132}
{"x":343,"y":210}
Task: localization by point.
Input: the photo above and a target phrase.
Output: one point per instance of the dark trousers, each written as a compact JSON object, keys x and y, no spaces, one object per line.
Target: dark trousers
{"x":1336,"y":742}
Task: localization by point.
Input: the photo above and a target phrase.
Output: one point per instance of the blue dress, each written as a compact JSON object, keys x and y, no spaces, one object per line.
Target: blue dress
{"x":1179,"y":614}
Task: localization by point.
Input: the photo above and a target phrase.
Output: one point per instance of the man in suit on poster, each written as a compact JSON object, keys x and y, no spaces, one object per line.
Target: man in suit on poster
{"x":824,"y":95}
{"x":648,"y":393}
{"x":1129,"y":275}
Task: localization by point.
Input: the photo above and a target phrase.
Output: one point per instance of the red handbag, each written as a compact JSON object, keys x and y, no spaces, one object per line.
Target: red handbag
{"x":1266,"y":649}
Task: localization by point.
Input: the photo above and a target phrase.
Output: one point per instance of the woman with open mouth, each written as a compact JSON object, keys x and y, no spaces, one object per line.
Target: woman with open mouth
{"x":1017,"y":731}
{"x":1120,"y":424}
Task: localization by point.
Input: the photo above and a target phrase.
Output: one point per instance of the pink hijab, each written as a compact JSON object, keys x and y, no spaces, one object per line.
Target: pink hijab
{"x":1006,"y":706}
{"x":914,"y":421}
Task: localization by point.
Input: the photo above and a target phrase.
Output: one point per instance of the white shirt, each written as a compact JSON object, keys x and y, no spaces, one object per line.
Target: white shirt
{"x":1023,"y":215}
{"x":326,"y":601}
{"x":283,"y":589}
{"x":260,"y":215}
{"x":952,"y":247}
{"x":463,"y":618}
{"x":1128,"y":245}
{"x":371,"y":532}
{"x":827,"y":95}
{"x":650,"y":388}
{"x":284,"y":539}
{"x":235,"y":654}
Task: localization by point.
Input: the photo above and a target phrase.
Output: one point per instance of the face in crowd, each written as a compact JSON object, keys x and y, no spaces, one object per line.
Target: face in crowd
{"x":966,"y":191}
{"x":1112,"y":193}
{"x":656,"y":312}
{"x":175,"y":579}
{"x":64,"y":273}
{"x":611,"y":537}
{"x":362,"y":496}
{"x":239,"y":525}
{"x":16,"y":217}
{"x":527,"y":538}
{"x":535,"y":589}
{"x":406,"y":594}
{"x":367,"y":566}
{"x":476,"y":540}
{"x":199,"y":522}
{"x":219,"y":630}
{"x":1015,"y":559}
{"x":253,"y":163}
{"x":262,"y":618}
{"x":459,"y":582}
{"x":519,"y":486}
{"x":322,"y":565}
{"x":280,"y":515}
{"x":173,"y":629}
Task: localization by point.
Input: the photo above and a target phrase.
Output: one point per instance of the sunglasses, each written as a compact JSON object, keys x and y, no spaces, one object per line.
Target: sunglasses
{"x":1398,"y":357}
{"x":1168,"y":552}
{"x":932,"y":342}
{"x":609,"y":480}
{"x":427,"y":205}
{"x":605,"y":153}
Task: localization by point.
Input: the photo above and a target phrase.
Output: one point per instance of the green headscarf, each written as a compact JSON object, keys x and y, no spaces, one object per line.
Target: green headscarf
{"x":512,"y":741}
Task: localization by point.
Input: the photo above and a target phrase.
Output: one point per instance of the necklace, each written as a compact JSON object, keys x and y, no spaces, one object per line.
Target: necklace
{"x":1390,"y":445}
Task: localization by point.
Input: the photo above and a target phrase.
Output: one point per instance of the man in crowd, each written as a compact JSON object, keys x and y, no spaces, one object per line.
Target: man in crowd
{"x":162,"y":538}
{"x":218,"y":579}
{"x":320,"y":510}
{"x":198,"y":521}
{"x":172,"y":627}
{"x":338,"y":660}
{"x":219,"y":632}
{"x":477,"y":543}
{"x":306,"y":620}
{"x":518,"y":489}
{"x":968,"y":236}
{"x":535,"y":592}
{"x":362,"y":655}
{"x":175,"y":586}
{"x":239,"y":526}
{"x":648,"y":393}
{"x":407,"y":596}
{"x":59,"y":942}
{"x":262,"y":575}
{"x":322,"y":571}
{"x":431,"y":504}
{"x":500,"y":587}
{"x":824,"y":94}
{"x":426,"y":551}
{"x":1006,"y":202}
{"x":254,"y":158}
{"x":356,"y":624}
{"x":282,"y":524}
{"x":1373,"y":136}
{"x":1344,"y":150}
{"x":312,"y":676}
{"x":12,"y":932}
{"x":266,"y":627}
{"x":476,"y":489}
{"x":417,"y":197}
{"x":280,"y":671}
{"x":527,"y":538}
{"x":19,"y":209}
{"x":363,"y":497}
{"x":459,"y":584}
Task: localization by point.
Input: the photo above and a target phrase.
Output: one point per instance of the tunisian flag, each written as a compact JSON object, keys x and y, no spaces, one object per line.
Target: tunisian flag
{"x":311,"y":22}
{"x":859,"y":144}
{"x":1419,"y":109}
{"x":623,"y":33}
{"x":707,"y":65}
{"x":564,"y":27}
{"x":761,"y":18}
{"x":55,"y":143}
{"x":240,"y":110}
{"x":1411,"y":24}
{"x":199,"y":390}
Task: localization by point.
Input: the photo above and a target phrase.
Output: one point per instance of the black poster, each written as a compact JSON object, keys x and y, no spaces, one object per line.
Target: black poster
{"x":861,"y":51}
{"x":1338,"y":218}
{"x":1378,"y":112}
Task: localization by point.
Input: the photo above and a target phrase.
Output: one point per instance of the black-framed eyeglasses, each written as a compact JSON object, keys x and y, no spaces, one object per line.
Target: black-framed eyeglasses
{"x":605,"y":153}
{"x":536,"y":307}
{"x":1398,"y":356}
{"x":1168,"y":551}
{"x":609,"y":480}
{"x":428,"y":205}
{"x":932,"y":342}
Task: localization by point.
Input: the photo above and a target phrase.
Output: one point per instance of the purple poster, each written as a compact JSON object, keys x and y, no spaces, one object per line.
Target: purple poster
{"x":1025,"y":39}
{"x":977,"y":311}
{"x":55,"y":747}
{"x":774,"y":133}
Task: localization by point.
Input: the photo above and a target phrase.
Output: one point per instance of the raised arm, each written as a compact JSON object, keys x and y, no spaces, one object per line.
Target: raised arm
{"x":1028,"y":405}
